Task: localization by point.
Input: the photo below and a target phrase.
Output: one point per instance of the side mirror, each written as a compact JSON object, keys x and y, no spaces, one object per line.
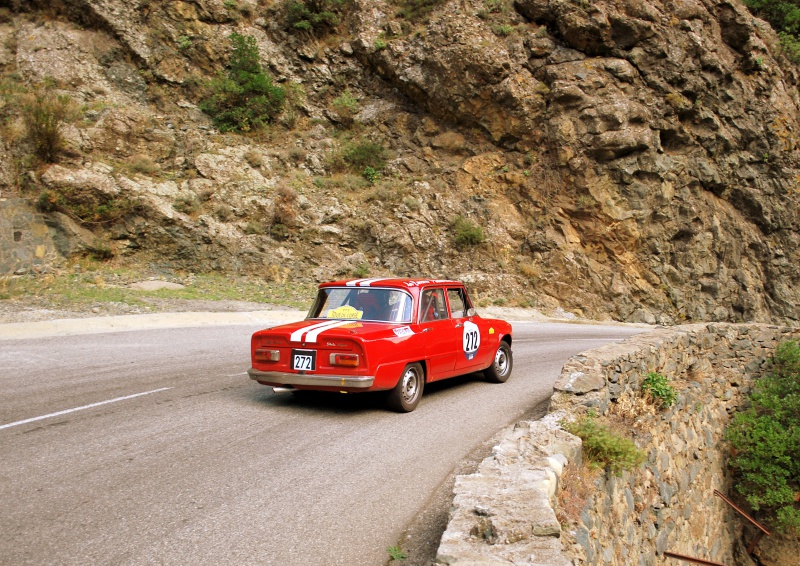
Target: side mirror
{"x":471,"y":312}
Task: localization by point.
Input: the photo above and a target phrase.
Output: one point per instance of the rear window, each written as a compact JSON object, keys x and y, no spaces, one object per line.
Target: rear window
{"x":348,"y":303}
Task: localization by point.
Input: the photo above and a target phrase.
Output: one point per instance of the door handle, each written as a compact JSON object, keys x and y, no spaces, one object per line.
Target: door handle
{"x":459,"y":325}
{"x":427,"y":329}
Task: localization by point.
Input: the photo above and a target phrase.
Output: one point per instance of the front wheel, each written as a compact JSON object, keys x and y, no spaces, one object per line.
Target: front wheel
{"x":500,"y":370}
{"x":405,"y":396}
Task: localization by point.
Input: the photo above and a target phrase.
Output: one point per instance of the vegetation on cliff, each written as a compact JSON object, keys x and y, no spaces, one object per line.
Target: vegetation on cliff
{"x":244,"y":98}
{"x":784,"y":16}
{"x":766,"y":442}
{"x":603,"y":447}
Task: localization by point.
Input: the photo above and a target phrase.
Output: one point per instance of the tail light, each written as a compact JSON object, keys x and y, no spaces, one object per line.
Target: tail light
{"x":263,"y":356}
{"x":346,"y":360}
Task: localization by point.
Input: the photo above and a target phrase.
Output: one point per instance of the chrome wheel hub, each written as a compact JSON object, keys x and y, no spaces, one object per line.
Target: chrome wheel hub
{"x":501,"y":361}
{"x":410,"y":385}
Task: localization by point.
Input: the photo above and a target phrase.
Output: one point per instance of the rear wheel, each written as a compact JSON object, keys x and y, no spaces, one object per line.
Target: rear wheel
{"x":500,"y":369}
{"x":405,"y":396}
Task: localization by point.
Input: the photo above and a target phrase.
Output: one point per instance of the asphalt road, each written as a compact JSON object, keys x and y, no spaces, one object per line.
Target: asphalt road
{"x":155,"y":447}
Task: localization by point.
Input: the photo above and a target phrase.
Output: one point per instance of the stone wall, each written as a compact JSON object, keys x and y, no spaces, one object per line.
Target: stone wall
{"x":503,"y":513}
{"x":25,"y":241}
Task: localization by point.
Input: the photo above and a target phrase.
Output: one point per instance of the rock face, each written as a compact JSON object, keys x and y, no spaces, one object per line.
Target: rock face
{"x":633,"y":160}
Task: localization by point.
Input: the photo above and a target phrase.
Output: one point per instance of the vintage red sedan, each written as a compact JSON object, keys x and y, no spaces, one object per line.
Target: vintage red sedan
{"x":391,"y":335}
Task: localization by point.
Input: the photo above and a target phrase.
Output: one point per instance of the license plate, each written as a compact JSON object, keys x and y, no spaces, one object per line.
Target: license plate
{"x":304,"y":360}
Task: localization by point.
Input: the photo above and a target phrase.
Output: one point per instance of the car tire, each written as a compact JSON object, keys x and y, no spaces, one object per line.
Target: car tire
{"x":503,"y":362}
{"x":405,"y":396}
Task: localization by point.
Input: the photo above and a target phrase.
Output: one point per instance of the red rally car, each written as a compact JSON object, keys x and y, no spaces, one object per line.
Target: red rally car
{"x":391,"y":335}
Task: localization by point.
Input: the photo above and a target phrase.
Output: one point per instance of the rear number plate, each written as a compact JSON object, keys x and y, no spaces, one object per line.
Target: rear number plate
{"x":304,"y":360}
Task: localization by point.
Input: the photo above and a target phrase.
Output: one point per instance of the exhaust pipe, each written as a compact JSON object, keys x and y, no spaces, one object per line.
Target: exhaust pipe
{"x":283,"y":389}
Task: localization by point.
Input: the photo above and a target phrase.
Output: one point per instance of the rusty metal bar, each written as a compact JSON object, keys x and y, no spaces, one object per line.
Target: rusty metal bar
{"x":691,"y":559}
{"x":745,"y":515}
{"x":754,"y":543}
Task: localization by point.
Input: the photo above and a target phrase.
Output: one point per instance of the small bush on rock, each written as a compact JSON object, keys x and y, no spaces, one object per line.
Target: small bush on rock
{"x":345,"y":106}
{"x":244,"y":98}
{"x":44,"y":112}
{"x":766,"y":442}
{"x":365,"y":154}
{"x":188,"y":204}
{"x":313,"y":15}
{"x":416,"y":10}
{"x":604,"y":448}
{"x":657,"y":387}
{"x":467,"y":233}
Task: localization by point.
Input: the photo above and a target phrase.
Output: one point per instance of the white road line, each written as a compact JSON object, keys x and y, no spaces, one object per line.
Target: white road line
{"x":59,"y":413}
{"x":571,"y":340}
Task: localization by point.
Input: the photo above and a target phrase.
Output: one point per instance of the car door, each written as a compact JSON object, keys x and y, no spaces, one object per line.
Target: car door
{"x":470,"y":343}
{"x":439,"y":334}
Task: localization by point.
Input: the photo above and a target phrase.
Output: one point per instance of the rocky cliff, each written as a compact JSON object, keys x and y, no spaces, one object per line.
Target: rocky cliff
{"x":625,"y":159}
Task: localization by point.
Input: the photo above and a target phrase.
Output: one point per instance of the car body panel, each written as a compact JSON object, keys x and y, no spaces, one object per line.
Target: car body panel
{"x":336,"y":349}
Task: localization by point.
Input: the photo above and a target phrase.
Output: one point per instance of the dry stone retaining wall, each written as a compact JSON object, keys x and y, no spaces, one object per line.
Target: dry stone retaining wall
{"x":503,"y":513}
{"x":25,"y":240}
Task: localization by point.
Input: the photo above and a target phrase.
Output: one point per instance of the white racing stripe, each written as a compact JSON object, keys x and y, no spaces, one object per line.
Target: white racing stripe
{"x":297,"y":334}
{"x":363,"y":282}
{"x":312,"y":336}
{"x":67,"y":411}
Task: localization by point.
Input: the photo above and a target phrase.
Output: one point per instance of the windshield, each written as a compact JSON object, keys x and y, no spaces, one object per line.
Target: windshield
{"x":384,"y":305}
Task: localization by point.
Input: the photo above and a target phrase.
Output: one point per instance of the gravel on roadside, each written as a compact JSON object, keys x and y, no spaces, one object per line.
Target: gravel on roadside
{"x":37,"y":310}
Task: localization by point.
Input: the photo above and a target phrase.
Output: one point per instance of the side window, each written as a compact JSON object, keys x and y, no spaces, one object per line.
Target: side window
{"x":432,"y":305}
{"x":458,"y":303}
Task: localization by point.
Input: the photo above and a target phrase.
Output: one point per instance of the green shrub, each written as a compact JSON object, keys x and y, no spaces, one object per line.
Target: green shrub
{"x":279,"y":231}
{"x":254,"y":228}
{"x":313,"y":15}
{"x":11,"y":93}
{"x":658,"y":388}
{"x":244,"y":98}
{"x":604,"y":448}
{"x":496,"y":6}
{"x":143,"y":164}
{"x":418,"y":9}
{"x":396,"y":553}
{"x":365,"y":154}
{"x":43,"y":114}
{"x":784,"y":17}
{"x":766,"y":442}
{"x":346,"y":106}
{"x":503,"y":30}
{"x":371,"y":174}
{"x":361,"y":271}
{"x":187,"y":204}
{"x":467,"y":233}
{"x":790,"y":44}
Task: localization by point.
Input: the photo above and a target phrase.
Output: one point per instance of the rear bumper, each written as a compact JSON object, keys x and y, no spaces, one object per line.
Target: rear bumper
{"x":311,"y":380}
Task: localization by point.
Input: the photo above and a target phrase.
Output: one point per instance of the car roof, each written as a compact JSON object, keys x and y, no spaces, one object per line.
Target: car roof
{"x":399,"y":282}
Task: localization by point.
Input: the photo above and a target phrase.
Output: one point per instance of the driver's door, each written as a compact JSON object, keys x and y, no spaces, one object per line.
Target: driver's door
{"x":440,"y":337}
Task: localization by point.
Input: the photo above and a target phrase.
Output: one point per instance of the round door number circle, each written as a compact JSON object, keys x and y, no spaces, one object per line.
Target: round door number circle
{"x":471,"y":339}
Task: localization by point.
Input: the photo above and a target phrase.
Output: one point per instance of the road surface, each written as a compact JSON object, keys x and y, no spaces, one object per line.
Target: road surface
{"x":154,"y":447}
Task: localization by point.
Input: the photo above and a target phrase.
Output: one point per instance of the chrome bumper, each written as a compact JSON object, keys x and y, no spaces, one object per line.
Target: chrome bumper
{"x":314,"y":380}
